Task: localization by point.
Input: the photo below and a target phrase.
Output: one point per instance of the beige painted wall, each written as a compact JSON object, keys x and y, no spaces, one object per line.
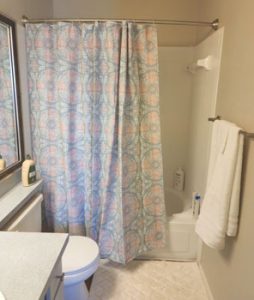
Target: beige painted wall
{"x":152,"y":9}
{"x":30,"y":8}
{"x":230,"y":272}
{"x":15,"y":9}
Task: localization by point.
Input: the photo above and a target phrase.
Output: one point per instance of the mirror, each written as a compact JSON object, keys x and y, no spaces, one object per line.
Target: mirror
{"x":11,"y":141}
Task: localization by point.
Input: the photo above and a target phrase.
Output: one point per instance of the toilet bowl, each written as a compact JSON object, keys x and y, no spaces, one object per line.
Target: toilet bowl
{"x":80,"y":261}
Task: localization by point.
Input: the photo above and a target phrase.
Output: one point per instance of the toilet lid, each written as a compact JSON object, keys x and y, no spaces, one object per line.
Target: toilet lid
{"x":79,"y":253}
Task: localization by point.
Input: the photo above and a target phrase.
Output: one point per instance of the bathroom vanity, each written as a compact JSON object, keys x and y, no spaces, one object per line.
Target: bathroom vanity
{"x":30,"y":263}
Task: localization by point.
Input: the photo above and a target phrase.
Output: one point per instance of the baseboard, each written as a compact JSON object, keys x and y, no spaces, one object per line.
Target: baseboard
{"x":204,"y":279}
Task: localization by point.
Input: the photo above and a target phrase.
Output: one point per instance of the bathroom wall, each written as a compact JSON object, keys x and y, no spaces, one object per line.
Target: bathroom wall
{"x":203,"y":106}
{"x":31,"y":8}
{"x":15,"y":9}
{"x":230,"y":272}
{"x":175,"y":113}
{"x":152,"y":9}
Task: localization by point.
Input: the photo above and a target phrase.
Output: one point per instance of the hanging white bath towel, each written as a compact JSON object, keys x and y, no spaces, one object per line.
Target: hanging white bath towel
{"x":220,"y":208}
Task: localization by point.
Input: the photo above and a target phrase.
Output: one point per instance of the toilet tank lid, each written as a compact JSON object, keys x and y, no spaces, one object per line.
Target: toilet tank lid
{"x":80,"y":253}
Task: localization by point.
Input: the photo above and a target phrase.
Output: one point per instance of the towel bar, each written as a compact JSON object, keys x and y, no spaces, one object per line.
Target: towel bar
{"x":245,"y":133}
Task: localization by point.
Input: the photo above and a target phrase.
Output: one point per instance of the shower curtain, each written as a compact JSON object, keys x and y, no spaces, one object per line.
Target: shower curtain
{"x":96,"y":132}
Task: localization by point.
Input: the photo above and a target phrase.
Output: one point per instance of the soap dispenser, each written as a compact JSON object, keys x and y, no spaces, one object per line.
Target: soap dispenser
{"x":28,"y":171}
{"x":2,"y":163}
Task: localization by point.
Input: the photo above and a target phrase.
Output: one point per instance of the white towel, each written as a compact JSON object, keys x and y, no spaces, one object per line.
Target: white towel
{"x":220,"y":207}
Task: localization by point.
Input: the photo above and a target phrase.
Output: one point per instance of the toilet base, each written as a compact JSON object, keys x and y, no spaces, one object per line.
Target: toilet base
{"x":76,"y":291}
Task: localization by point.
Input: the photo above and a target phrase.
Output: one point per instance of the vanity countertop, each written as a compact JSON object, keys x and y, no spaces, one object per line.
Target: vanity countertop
{"x":17,"y":197}
{"x":27,"y":261}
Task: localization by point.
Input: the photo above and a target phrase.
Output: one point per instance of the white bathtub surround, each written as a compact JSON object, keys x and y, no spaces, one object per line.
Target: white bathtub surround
{"x":186,"y":136}
{"x":175,"y":104}
{"x":219,"y":213}
{"x":144,"y":280}
{"x":182,"y":241}
{"x":203,"y":105}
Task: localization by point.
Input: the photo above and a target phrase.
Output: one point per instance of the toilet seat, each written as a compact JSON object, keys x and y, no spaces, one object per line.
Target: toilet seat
{"x":81,"y":276}
{"x":80,"y":259}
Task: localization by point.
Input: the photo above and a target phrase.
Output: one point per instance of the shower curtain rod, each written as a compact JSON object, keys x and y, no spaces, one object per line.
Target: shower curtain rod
{"x":214,"y":24}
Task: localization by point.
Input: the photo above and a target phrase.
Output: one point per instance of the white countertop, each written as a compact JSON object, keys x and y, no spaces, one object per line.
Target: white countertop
{"x":27,"y":261}
{"x":17,"y":197}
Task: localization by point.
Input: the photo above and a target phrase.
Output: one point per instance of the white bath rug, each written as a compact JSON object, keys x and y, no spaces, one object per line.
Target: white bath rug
{"x":148,"y":280}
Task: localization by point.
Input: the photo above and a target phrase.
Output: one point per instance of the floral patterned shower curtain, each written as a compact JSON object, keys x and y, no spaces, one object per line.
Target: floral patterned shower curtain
{"x":96,"y":132}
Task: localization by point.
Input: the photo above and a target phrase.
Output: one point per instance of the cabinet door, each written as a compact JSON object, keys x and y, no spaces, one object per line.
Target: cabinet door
{"x":60,"y":291}
{"x":56,"y":283}
{"x":56,"y":291}
{"x":47,"y":296}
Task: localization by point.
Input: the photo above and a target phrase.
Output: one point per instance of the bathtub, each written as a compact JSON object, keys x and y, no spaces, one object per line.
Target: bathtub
{"x":182,"y":241}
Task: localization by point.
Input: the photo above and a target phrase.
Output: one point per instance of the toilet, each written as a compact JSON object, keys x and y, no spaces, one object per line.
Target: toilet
{"x":80,"y":259}
{"x":79,"y":262}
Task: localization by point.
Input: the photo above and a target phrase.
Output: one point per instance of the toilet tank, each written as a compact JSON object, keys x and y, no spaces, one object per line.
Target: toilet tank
{"x":28,"y":218}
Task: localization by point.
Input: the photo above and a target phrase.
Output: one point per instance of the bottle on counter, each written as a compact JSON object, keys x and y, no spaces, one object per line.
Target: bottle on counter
{"x":2,"y":163}
{"x":28,"y":171}
{"x":196,"y":199}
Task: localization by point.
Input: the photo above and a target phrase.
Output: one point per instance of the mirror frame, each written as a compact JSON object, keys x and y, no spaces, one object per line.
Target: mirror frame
{"x":17,"y":98}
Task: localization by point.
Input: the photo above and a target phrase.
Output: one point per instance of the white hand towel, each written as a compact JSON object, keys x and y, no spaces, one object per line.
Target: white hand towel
{"x":220,"y":208}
